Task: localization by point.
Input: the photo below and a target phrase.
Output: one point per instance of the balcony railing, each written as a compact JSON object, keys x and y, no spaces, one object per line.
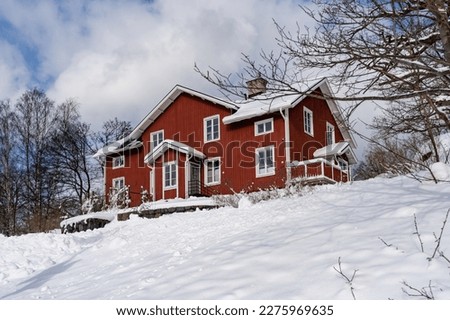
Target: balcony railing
{"x":320,"y":170}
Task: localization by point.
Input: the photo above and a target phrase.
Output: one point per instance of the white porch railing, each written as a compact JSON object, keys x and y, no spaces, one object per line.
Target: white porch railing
{"x":320,"y":168}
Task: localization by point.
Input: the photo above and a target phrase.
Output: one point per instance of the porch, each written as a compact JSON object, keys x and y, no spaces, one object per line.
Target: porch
{"x":175,"y":171}
{"x":320,"y":171}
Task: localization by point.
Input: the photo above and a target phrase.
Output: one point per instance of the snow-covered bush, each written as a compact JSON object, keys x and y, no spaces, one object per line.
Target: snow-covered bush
{"x":293,"y":189}
{"x":145,"y":196}
{"x":93,"y":203}
{"x":120,"y":198}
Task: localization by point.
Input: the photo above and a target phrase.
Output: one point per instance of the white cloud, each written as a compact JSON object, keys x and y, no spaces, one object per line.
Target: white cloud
{"x":13,"y":74}
{"x":119,"y":58}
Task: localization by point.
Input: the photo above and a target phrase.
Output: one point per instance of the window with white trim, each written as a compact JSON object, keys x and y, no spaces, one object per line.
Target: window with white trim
{"x":170,"y":175}
{"x":308,"y":121}
{"x":263,"y":127}
{"x":156,"y":138}
{"x":343,"y":164}
{"x":118,"y":162}
{"x":211,"y":128}
{"x":265,"y":165}
{"x":330,"y":139}
{"x":212,"y":171}
{"x":117,"y":184}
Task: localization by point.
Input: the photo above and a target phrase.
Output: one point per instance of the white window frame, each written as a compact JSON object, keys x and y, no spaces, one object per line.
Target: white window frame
{"x":205,"y":128}
{"x":268,"y":171}
{"x":330,"y":128}
{"x":206,"y":171}
{"x":152,"y":140}
{"x":263,"y":122}
{"x":114,"y":184}
{"x":118,"y":162}
{"x":170,"y":186}
{"x":308,"y":113}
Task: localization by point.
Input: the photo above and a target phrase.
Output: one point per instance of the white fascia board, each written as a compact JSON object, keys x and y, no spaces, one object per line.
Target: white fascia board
{"x":174,"y":145}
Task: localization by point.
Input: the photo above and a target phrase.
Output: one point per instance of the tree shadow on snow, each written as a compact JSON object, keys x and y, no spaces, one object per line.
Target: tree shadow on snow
{"x":41,"y":278}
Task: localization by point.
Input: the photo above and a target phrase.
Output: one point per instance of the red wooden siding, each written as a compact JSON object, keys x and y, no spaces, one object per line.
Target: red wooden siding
{"x":134,"y":172}
{"x":240,"y":172}
{"x":303,"y":144}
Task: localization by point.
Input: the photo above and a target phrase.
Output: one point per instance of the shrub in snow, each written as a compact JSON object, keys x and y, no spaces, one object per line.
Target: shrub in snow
{"x":93,"y":203}
{"x":120,"y":198}
{"x":145,"y":196}
{"x":234,"y":200}
{"x":227,"y":200}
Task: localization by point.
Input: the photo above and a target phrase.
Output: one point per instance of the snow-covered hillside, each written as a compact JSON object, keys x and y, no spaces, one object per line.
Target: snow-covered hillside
{"x":279,"y":249}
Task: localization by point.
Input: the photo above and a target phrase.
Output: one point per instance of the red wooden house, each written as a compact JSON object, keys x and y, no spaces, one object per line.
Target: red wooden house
{"x":193,"y":144}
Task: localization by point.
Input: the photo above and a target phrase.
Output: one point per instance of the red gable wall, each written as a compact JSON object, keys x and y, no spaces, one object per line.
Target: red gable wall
{"x":304,"y":145}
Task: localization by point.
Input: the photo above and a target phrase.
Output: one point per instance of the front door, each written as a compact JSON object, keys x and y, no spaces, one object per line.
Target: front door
{"x":194,"y":186}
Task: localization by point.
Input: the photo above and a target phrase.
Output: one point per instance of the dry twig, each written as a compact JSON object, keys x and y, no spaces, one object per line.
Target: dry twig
{"x":349,"y":280}
{"x":425,"y":292}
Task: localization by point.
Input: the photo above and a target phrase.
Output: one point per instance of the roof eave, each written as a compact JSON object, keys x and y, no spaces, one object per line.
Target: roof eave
{"x":174,"y":145}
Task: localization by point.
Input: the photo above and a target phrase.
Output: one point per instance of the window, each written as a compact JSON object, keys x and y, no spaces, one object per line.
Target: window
{"x":263,"y":127}
{"x":156,"y":138}
{"x":212,"y":168}
{"x":308,"y":121}
{"x":118,"y":162}
{"x":211,"y":128}
{"x":117,"y":185}
{"x":330,"y":134}
{"x":170,"y":175}
{"x":264,"y":161}
{"x":343,"y":164}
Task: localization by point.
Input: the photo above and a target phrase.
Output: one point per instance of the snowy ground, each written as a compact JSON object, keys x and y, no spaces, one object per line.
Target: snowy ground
{"x":279,"y":249}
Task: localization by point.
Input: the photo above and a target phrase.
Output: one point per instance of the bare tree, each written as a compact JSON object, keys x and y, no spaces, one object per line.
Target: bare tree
{"x":385,"y":156}
{"x":387,"y":50}
{"x":71,"y":150}
{"x":112,"y":130}
{"x":414,"y":120}
{"x":9,"y":172}
{"x":35,"y":122}
{"x":46,"y":164}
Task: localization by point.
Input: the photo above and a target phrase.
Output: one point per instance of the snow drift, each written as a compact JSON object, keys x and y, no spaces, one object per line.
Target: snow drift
{"x":279,"y":249}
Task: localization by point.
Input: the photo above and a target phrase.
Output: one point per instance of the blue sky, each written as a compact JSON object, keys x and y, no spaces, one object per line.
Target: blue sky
{"x":119,"y":58}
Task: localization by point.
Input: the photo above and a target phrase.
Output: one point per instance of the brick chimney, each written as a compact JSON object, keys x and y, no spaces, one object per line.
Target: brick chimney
{"x":256,"y":86}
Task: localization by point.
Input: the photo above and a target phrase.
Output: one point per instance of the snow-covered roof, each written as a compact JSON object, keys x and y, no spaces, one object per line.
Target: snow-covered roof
{"x":336,"y":149}
{"x":272,"y":102}
{"x":117,"y":147}
{"x":174,"y":145}
{"x":264,"y":105}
